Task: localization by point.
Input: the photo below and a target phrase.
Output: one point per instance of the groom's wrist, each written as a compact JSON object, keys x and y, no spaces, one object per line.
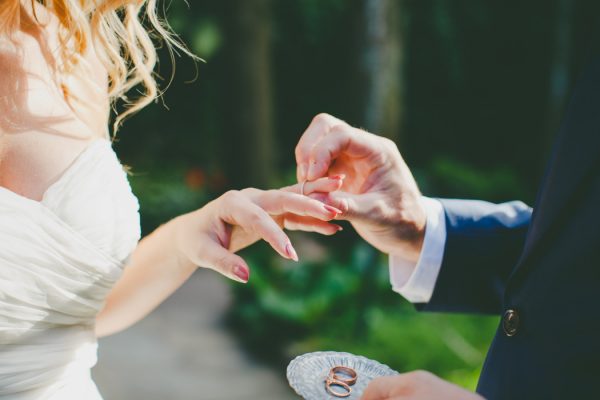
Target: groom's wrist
{"x":415,"y":278}
{"x":411,"y":226}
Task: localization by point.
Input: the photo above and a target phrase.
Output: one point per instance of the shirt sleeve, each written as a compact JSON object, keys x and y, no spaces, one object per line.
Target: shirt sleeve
{"x":416,"y":282}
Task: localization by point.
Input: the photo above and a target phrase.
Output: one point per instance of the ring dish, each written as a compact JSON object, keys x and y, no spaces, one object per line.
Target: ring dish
{"x":307,"y":374}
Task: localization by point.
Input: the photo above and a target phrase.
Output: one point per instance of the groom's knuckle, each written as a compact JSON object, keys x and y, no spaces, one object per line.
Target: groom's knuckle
{"x":322,"y":118}
{"x":388,"y":144}
{"x":340,"y":128}
{"x":340,"y":134}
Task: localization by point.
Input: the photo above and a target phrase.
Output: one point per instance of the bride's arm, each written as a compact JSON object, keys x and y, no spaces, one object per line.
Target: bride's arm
{"x":208,"y":237}
{"x":153,"y":273}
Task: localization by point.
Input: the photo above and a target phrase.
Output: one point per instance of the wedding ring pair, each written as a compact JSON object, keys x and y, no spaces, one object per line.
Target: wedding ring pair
{"x":342,"y":377}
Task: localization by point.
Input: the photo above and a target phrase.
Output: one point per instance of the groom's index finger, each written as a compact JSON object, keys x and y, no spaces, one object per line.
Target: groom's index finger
{"x":318,"y":127}
{"x":339,"y":140}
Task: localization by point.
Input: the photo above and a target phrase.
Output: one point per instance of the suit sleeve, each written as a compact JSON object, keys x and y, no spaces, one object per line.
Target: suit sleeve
{"x":483,"y":244}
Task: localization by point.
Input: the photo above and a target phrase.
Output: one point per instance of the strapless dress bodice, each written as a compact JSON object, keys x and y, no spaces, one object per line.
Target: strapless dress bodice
{"x":59,"y":259}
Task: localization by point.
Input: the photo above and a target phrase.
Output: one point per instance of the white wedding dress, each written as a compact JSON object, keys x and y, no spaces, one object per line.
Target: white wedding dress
{"x":59,"y":258}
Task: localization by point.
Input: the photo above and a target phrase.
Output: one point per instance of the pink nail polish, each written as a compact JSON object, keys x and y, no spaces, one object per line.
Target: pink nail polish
{"x":339,"y":228}
{"x":241,"y":273}
{"x":340,"y":176}
{"x":291,"y":252}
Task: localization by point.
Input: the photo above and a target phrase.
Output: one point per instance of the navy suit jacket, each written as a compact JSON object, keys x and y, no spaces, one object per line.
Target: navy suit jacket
{"x":545,"y":270}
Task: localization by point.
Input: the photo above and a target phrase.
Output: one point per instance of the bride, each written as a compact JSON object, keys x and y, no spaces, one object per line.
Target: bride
{"x":71,"y":267}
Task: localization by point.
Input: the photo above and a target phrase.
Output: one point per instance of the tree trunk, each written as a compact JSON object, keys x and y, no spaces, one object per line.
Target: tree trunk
{"x":381,"y":76}
{"x":249,"y":133}
{"x":381,"y":66}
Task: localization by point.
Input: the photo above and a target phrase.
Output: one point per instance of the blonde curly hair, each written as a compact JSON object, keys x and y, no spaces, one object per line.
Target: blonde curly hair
{"x":115,"y":30}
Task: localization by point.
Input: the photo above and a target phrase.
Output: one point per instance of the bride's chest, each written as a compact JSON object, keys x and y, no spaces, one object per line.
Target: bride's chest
{"x":91,"y":200}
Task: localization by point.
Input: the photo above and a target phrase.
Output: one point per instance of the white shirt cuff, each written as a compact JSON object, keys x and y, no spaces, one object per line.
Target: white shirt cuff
{"x":416,"y":282}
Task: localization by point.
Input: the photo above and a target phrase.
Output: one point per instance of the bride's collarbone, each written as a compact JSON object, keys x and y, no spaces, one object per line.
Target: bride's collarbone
{"x":32,"y":162}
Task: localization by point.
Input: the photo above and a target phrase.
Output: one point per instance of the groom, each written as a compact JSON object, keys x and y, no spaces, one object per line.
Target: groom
{"x":539,"y":272}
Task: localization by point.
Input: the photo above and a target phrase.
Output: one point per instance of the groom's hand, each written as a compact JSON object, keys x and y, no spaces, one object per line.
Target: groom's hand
{"x":416,"y":385}
{"x":379,"y":195}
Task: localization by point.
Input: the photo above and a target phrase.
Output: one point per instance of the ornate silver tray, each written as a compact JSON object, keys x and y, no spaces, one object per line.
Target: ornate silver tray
{"x":306,"y":374}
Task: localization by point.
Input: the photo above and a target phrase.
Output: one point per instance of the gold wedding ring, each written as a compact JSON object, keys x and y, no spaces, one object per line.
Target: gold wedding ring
{"x":343,"y":377}
{"x":331,"y":382}
{"x":336,"y":374}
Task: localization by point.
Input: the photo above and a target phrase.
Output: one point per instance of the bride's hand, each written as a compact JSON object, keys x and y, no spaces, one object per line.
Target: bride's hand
{"x":208,"y":237}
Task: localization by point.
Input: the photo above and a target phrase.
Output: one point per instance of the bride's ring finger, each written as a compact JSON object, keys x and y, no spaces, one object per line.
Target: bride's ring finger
{"x":323,"y":185}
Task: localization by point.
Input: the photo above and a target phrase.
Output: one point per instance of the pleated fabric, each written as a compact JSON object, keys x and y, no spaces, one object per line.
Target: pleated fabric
{"x":59,"y":259}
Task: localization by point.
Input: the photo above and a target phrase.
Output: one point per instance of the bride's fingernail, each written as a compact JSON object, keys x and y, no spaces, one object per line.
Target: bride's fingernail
{"x":291,"y":252}
{"x":339,"y":228}
{"x":340,"y":176}
{"x":241,"y":273}
{"x":332,"y":209}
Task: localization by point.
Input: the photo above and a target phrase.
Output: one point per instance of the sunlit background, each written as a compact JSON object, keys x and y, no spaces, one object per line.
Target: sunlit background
{"x":471,"y":91}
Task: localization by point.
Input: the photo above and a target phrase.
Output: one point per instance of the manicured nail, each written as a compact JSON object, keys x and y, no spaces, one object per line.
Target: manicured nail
{"x":332,"y":209}
{"x":241,"y":273}
{"x":291,"y":252}
{"x":340,"y":176}
{"x":339,"y":228}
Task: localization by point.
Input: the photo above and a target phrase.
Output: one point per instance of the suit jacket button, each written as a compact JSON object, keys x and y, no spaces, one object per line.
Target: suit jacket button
{"x":510,"y":322}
